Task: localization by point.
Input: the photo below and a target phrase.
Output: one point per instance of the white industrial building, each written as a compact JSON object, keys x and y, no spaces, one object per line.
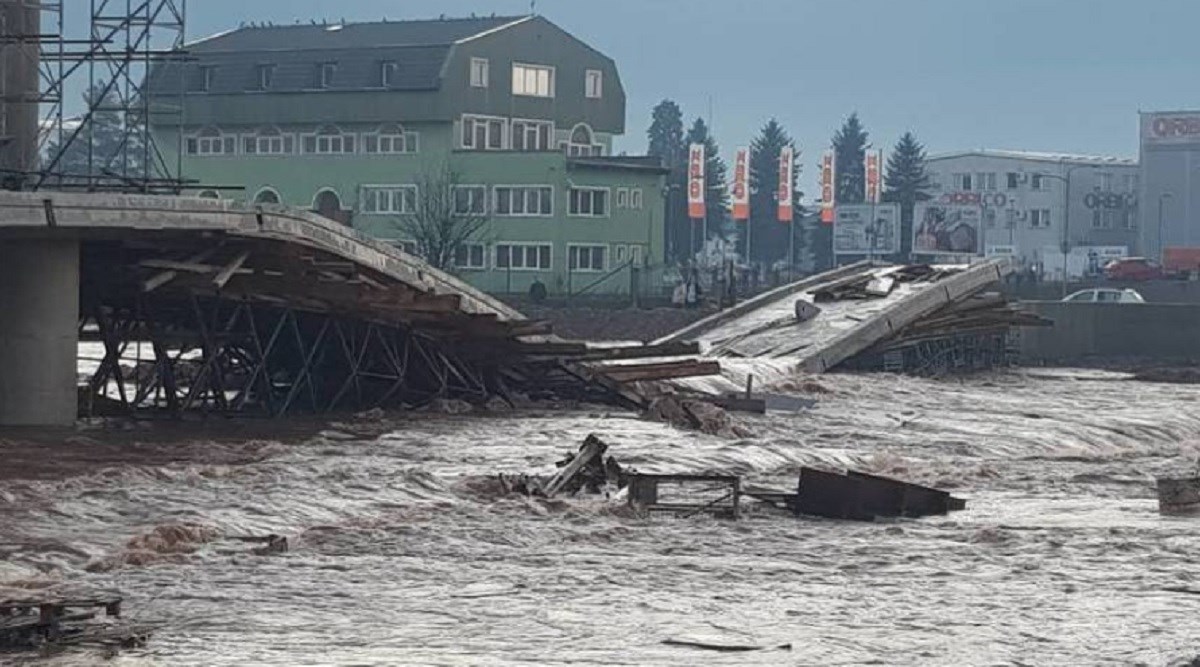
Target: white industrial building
{"x":1024,"y":198}
{"x":1170,"y":159}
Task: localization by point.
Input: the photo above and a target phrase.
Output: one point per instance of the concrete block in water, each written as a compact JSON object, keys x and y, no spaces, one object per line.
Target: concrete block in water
{"x":1179,"y":496}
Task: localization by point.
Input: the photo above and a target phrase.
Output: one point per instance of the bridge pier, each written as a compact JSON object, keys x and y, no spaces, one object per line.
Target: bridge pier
{"x":39,"y":335}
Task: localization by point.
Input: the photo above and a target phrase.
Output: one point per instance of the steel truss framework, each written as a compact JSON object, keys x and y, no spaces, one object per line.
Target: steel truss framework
{"x":218,"y":355}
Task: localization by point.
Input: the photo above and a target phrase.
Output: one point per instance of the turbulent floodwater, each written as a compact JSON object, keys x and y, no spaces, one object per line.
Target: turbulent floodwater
{"x":403,"y":553}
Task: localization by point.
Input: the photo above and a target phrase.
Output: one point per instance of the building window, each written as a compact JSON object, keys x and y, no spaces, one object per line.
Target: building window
{"x":587,"y":257}
{"x":268,"y":141}
{"x":636,"y":255}
{"x":1105,"y":181}
{"x":1014,"y":180}
{"x":209,"y":194}
{"x":593,"y":84}
{"x":582,"y":142}
{"x":524,"y":256}
{"x":622,"y":199}
{"x":407,"y":246}
{"x":531,"y":135}
{"x":962,"y":182}
{"x":483,"y":133}
{"x":514,"y":201}
{"x":532,"y":80}
{"x":985,"y":181}
{"x":388,"y":70}
{"x":389,"y":199}
{"x":325,"y":72}
{"x":1037,"y":182}
{"x":470,"y":200}
{"x":635,"y":198}
{"x":266,"y":76}
{"x":328,"y":140}
{"x":267,"y":196}
{"x":205,"y":76}
{"x":1039,"y":217}
{"x":469,"y":256}
{"x":210,"y":141}
{"x":1131,"y":182}
{"x":390,"y":140}
{"x":588,"y":202}
{"x":479,"y":72}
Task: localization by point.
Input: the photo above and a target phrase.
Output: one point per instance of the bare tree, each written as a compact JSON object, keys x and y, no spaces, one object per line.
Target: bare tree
{"x":446,"y":217}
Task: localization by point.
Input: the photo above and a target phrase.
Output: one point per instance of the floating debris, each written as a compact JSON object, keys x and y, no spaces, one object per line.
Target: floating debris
{"x":1179,"y":496}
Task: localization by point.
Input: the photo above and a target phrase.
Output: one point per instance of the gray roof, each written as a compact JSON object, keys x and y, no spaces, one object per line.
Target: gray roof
{"x":1037,"y":156}
{"x":433,"y":32}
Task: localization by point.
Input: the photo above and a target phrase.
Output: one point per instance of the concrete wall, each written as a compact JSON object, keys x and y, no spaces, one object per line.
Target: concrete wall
{"x":1101,"y":331}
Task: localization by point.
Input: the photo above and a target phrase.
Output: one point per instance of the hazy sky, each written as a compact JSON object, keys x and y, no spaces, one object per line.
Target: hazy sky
{"x":1047,"y":75}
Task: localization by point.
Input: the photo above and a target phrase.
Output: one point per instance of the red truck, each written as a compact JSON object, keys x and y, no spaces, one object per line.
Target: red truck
{"x":1180,"y":261}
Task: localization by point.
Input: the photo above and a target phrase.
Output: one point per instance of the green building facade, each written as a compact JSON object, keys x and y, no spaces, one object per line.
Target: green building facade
{"x":348,"y":120}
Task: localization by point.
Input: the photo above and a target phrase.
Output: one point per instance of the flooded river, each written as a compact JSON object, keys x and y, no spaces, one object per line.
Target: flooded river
{"x":402,"y":551}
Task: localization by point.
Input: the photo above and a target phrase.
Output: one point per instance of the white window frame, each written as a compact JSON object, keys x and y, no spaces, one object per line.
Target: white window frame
{"x":471,"y":120}
{"x":388,"y":70}
{"x":373,"y":143}
{"x":620,"y":253}
{"x":574,"y":149}
{"x":318,"y":136}
{"x":200,"y":144}
{"x":388,"y":195}
{"x":637,"y":254}
{"x":263,"y":190}
{"x":209,"y":194}
{"x":474,"y":188}
{"x":1012,"y":180}
{"x":207,"y":74}
{"x":258,"y":143}
{"x":478,"y":66}
{"x":1038,"y":182}
{"x":521,"y":81}
{"x":606,"y":195}
{"x":525,"y":188}
{"x":1039,"y":218}
{"x":635,"y":199}
{"x":266,"y":75}
{"x":471,"y":266}
{"x":524,"y":245}
{"x":325,"y":73}
{"x":531,"y":127}
{"x":622,"y":197}
{"x":593,"y":84}
{"x":573,"y":250}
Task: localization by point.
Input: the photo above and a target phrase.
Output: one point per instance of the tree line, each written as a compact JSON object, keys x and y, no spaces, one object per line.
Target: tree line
{"x":906,"y":182}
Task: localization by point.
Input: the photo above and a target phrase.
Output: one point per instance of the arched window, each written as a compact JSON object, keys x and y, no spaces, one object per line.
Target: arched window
{"x":390,"y":139}
{"x":328,"y":140}
{"x":328,"y":204}
{"x":210,"y":141}
{"x":582,"y":142}
{"x":267,"y":195}
{"x":268,"y":141}
{"x":209,"y":194}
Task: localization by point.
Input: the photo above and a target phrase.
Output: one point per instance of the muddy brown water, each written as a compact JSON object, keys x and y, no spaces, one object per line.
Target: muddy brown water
{"x":404,"y":553}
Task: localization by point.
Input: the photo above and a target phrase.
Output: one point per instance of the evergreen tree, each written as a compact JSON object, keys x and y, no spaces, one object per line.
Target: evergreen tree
{"x":115,"y":149}
{"x":769,"y":238}
{"x":666,"y":143}
{"x":849,"y":148}
{"x":907,"y":182}
{"x":716,"y":191}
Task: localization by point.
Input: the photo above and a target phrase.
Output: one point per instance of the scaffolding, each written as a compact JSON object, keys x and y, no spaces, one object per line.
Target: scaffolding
{"x":108,"y":145}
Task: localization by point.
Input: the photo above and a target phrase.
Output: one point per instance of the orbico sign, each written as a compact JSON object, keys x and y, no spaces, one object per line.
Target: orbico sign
{"x":986,"y":199}
{"x":1109,"y":200}
{"x":1166,"y":127}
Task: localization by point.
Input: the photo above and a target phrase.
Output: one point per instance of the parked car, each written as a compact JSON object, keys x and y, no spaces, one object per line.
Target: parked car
{"x":1105,"y":295}
{"x":1133,"y":268}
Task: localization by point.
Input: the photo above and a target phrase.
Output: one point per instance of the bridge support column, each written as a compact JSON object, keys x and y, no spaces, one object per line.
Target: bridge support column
{"x":39,"y":336}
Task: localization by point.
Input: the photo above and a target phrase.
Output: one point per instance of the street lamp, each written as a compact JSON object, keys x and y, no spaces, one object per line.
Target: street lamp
{"x":1161,"y":246}
{"x":1066,"y":238}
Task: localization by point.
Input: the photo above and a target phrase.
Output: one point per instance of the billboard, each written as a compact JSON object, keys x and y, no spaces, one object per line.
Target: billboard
{"x":866,"y":229}
{"x":873,"y":172}
{"x":946,"y":228}
{"x":828,"y":187}
{"x":741,"y":184}
{"x":1171,"y":128}
{"x":784,"y":194}
{"x":696,"y":181}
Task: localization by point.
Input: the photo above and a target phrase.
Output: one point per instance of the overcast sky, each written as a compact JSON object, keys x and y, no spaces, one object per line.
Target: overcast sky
{"x":1046,"y":75}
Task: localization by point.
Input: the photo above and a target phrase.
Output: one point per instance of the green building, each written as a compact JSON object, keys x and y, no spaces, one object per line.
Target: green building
{"x":348,"y":119}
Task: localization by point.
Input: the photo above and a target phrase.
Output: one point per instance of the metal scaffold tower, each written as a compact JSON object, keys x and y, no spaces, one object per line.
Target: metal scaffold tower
{"x":132,"y":47}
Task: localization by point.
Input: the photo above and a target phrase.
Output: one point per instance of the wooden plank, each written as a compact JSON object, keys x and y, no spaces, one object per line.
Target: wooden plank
{"x":591,"y":448}
{"x":229,"y":269}
{"x":661,"y":371}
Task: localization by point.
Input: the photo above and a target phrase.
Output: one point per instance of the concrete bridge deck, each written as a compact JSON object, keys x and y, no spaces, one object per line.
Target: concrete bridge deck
{"x":236,"y":305}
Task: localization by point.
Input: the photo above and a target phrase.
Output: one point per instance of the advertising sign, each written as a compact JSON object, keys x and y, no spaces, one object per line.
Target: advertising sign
{"x":1171,"y":128}
{"x":946,"y":229}
{"x":741,"y":184}
{"x":696,"y":181}
{"x":784,"y":193}
{"x":873,"y":170}
{"x":866,"y":229}
{"x":828,"y":187}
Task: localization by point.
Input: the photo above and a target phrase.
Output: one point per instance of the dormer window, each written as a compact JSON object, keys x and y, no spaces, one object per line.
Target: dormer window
{"x":388,"y":70}
{"x":266,"y":76}
{"x":325,"y":72}
{"x":203,"y":80}
{"x":593,"y":84}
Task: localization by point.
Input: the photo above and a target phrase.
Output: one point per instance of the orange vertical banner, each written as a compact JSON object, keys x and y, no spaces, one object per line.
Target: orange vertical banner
{"x":784,"y":193}
{"x":828,"y":186}
{"x":741,"y":185}
{"x":873,"y":168}
{"x":696,"y":181}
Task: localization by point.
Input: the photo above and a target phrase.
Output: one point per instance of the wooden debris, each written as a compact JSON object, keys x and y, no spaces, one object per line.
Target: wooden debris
{"x":585,"y":470}
{"x":688,"y":495}
{"x":1179,"y":496}
{"x":725,"y":648}
{"x":864,"y":497}
{"x":568,"y":478}
{"x":660,"y":370}
{"x":28,"y":624}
